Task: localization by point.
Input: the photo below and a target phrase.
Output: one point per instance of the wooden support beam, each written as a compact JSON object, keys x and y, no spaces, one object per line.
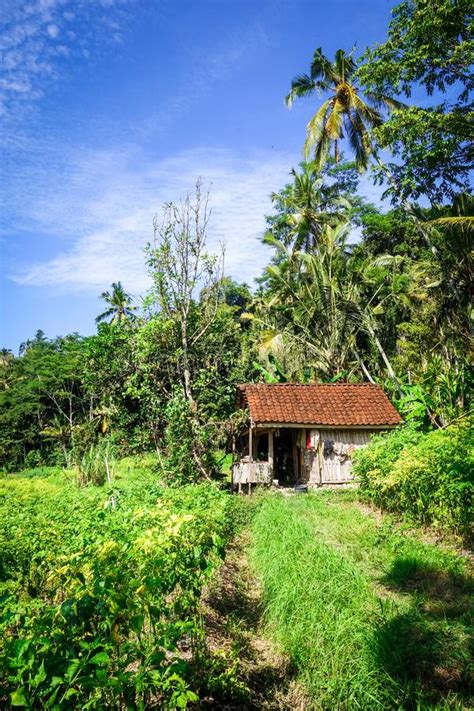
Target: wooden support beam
{"x":232,"y":461}
{"x":270,"y":452}
{"x":250,"y":454}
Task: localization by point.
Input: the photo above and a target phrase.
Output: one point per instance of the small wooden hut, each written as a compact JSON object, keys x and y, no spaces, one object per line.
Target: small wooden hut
{"x":307,"y":433}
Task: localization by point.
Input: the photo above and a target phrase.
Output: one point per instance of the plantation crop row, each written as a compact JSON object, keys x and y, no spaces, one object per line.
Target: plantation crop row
{"x":99,"y":590}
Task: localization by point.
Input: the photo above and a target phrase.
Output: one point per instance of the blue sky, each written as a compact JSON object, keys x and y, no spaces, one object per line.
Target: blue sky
{"x":112,"y":107}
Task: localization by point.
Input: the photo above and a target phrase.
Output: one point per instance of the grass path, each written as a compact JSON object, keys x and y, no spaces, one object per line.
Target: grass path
{"x":248,"y":669}
{"x":371,"y":617}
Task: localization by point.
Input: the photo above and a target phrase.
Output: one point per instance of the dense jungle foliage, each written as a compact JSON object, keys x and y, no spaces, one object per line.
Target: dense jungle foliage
{"x":352,"y":291}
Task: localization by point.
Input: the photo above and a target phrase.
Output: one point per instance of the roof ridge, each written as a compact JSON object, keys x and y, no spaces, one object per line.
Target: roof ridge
{"x":308,"y":385}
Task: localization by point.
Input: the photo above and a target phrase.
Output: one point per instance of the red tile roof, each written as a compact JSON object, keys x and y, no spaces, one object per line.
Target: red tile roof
{"x":332,"y":404}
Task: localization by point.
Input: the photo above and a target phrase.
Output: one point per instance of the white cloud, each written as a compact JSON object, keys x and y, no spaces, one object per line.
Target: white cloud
{"x":53,"y":31}
{"x":102,"y":209}
{"x":37,"y":36}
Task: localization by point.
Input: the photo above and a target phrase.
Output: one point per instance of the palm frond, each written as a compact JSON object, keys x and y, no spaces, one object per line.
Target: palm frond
{"x":272,"y":241}
{"x":384,"y":260}
{"x":356,"y":133}
{"x":465,"y":222}
{"x":344,"y":64}
{"x":322,"y":68}
{"x":302,"y":85}
{"x":381,"y":101}
{"x":315,"y":129}
{"x":105,"y":315}
{"x":333,"y":125}
{"x":322,"y":150}
{"x":369,"y":115}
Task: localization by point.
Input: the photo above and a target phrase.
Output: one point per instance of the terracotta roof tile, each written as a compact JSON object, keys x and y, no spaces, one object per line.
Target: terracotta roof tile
{"x":332,"y":404}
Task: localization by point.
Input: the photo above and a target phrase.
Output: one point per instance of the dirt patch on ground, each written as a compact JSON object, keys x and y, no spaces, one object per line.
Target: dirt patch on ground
{"x":255,"y":674}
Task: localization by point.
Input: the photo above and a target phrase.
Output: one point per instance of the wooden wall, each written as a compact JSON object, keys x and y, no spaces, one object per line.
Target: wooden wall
{"x":329,"y":459}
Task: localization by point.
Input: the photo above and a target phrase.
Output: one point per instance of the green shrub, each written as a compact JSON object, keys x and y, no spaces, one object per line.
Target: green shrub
{"x":98,"y":602}
{"x":189,"y":444}
{"x":427,"y":476}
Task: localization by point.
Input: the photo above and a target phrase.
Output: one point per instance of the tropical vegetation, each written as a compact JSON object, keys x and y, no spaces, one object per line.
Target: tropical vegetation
{"x":115,"y":517}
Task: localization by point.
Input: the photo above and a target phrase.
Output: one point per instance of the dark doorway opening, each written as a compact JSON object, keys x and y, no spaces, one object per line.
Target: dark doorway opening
{"x":261,"y":449}
{"x":284,"y":466}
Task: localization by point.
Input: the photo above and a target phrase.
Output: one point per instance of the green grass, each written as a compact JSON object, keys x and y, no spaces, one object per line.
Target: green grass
{"x":371,"y":617}
{"x":37,"y":472}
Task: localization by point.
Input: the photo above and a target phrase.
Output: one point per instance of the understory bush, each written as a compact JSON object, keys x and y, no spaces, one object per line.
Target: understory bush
{"x":189,"y":445}
{"x":427,"y":476}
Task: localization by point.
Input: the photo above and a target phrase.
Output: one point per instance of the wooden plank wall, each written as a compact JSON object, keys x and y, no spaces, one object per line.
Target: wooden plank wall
{"x":336,"y":464}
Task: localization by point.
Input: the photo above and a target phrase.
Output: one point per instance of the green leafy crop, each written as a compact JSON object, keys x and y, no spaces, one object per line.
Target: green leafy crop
{"x":98,"y":603}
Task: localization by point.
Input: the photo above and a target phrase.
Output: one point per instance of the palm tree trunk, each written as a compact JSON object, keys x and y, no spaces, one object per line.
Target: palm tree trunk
{"x":388,"y":365}
{"x":363,"y":367}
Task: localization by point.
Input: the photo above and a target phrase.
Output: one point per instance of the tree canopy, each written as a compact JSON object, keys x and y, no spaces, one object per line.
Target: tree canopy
{"x":351,"y":291}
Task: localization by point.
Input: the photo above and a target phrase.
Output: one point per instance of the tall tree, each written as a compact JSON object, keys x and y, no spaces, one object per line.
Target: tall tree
{"x":42,"y":398}
{"x":120,"y":305}
{"x":306,"y":205}
{"x":344,"y":114}
{"x":429,"y":47}
{"x":347,"y":111}
{"x":181,"y":268}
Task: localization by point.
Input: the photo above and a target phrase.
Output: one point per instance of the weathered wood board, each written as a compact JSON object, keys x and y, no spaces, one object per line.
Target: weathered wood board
{"x":330,"y":458}
{"x":252,"y":473}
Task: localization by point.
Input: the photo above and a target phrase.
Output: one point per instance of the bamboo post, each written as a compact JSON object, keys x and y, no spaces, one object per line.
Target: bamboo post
{"x":232,"y":463}
{"x":320,"y":457}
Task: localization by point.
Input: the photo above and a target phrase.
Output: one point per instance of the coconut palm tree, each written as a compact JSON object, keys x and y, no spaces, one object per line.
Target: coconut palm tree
{"x":305,"y":207}
{"x":344,"y":114}
{"x":347,"y":114}
{"x":312,"y":304}
{"x":120,"y":305}
{"x":313,"y":313}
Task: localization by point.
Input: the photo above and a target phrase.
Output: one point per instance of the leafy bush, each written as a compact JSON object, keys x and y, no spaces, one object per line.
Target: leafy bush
{"x":179,"y":440}
{"x":428,"y":476}
{"x":99,"y":604}
{"x":189,"y":444}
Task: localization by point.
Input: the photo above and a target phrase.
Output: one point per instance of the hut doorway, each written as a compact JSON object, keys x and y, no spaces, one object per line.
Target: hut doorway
{"x":284,"y":466}
{"x":261,"y":447}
